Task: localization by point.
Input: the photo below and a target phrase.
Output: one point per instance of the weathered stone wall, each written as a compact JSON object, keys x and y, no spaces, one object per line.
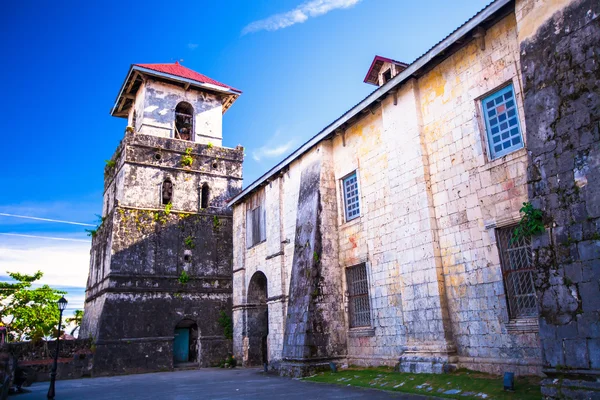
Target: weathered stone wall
{"x":155,"y":111}
{"x":561,"y":75}
{"x":75,"y":359}
{"x":431,"y":200}
{"x":473,"y":195}
{"x":153,"y":267}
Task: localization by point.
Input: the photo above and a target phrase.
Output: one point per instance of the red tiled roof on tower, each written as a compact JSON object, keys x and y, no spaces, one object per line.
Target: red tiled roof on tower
{"x":179,"y":70}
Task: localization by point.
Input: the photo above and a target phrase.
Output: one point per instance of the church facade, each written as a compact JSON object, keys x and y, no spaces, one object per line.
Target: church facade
{"x":160,"y":269}
{"x":389,"y":237}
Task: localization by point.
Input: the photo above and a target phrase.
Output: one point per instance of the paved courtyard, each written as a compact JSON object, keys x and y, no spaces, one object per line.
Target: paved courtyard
{"x":217,"y":384}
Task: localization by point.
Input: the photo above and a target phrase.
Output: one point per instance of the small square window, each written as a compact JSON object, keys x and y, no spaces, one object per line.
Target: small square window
{"x":502,"y":122}
{"x":351,"y":196}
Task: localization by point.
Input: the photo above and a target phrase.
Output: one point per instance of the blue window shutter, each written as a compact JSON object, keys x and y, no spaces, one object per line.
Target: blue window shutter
{"x":502,"y":122}
{"x":351,"y":197}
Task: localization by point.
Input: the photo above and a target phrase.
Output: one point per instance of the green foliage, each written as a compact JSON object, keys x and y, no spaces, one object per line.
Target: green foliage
{"x":27,"y":313}
{"x":229,"y":362}
{"x":186,"y":159}
{"x":189,"y":242}
{"x":110,"y":163}
{"x":531,"y":224}
{"x":209,"y":145}
{"x":315,"y":257}
{"x":168,"y":208}
{"x":216,"y":222}
{"x":184,"y":278}
{"x":75,"y":319}
{"x":227,"y":324}
{"x":94,"y":232}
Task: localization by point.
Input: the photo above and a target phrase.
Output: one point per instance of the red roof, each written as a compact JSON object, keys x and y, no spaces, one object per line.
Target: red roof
{"x":179,"y":70}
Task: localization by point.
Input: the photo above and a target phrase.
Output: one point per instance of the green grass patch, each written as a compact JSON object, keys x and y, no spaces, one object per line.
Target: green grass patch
{"x":472,"y":385}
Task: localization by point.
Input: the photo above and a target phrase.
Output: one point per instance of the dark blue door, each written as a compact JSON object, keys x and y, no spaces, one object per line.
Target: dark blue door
{"x":181,"y":345}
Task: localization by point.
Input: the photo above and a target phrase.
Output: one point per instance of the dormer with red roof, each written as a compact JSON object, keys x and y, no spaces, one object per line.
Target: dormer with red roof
{"x":173,"y":101}
{"x":383,"y":69}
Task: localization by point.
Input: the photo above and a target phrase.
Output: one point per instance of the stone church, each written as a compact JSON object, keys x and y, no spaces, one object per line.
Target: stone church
{"x":161,"y":261}
{"x":389,"y":237}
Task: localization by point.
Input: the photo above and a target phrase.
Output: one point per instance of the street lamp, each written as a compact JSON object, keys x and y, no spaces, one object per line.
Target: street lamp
{"x":62,"y":304}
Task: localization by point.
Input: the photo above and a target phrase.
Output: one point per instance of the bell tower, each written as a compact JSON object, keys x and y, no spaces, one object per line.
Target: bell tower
{"x":160,"y":281}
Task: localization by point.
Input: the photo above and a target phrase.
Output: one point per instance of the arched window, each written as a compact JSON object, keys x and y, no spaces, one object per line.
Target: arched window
{"x":166,"y":191}
{"x":204,"y":196}
{"x":184,"y":121}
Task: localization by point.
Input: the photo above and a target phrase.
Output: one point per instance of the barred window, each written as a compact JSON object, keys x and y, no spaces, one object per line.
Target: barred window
{"x":502,"y":122}
{"x":517,"y":271}
{"x":351,"y":197}
{"x":358,"y":296}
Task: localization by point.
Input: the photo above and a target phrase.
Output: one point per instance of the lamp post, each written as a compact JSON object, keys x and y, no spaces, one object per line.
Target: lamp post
{"x":62,"y":304}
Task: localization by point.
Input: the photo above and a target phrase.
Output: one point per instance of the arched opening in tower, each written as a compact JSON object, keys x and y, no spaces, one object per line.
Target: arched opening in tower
{"x":205,"y":196}
{"x":257,"y":319}
{"x":184,"y":121}
{"x":166,"y":192}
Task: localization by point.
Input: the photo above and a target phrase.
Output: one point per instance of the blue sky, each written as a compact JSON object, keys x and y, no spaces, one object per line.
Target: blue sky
{"x":299,"y":64}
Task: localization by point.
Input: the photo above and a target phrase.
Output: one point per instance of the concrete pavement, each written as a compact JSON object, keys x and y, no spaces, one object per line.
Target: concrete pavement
{"x":213,"y":384}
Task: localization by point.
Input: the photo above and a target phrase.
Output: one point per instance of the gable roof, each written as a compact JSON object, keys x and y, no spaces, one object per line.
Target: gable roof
{"x":494,"y":11}
{"x":178,"y":70}
{"x":174,"y":73}
{"x":373,"y":73}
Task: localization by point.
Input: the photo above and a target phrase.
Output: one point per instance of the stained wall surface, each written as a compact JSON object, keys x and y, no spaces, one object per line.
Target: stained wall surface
{"x":432,"y":199}
{"x":155,"y":266}
{"x":560,"y":53}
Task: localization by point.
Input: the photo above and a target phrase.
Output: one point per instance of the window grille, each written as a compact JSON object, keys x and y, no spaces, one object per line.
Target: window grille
{"x":358,"y":296}
{"x":351,"y":197}
{"x":502,"y":122}
{"x":517,"y":272}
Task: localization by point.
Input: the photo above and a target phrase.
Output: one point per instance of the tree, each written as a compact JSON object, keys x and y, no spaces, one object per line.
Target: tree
{"x":28,"y":313}
{"x":75,"y":319}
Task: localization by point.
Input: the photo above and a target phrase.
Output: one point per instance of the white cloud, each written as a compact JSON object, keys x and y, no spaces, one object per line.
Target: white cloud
{"x":304,"y":11}
{"x":193,"y":46}
{"x":273,"y":148}
{"x":63,"y":263}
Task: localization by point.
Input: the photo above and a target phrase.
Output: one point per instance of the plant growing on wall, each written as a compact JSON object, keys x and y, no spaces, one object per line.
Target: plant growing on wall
{"x":184,"y":278}
{"x":531,"y":224}
{"x":186,"y":159}
{"x":209,"y":145}
{"x":168,"y":208}
{"x":227,"y":324}
{"x":216,"y":222}
{"x":94,"y":232}
{"x":189,"y":242}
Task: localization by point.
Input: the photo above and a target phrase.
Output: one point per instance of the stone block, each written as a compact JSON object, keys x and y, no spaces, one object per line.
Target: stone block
{"x":576,"y":353}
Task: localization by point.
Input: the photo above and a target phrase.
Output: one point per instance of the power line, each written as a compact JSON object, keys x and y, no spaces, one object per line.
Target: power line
{"x":44,"y":237}
{"x":45,"y":219}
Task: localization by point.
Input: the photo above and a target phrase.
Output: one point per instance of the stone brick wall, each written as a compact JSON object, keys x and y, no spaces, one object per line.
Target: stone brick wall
{"x":135,"y":296}
{"x":75,"y":359}
{"x":561,"y":76}
{"x":432,"y":200}
{"x":473,"y":195}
